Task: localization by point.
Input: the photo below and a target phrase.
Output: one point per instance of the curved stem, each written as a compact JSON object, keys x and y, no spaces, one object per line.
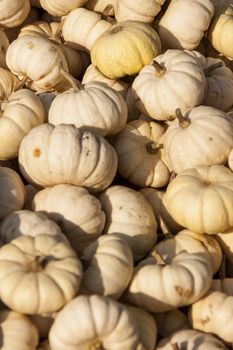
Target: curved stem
{"x":75,"y":84}
{"x":158,"y":257}
{"x":106,"y":14}
{"x":213,"y":66}
{"x":21,"y":83}
{"x":184,"y":122}
{"x":153,"y":147}
{"x":159,"y":70}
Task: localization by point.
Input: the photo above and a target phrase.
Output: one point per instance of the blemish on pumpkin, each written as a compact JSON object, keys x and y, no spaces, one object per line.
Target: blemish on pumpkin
{"x":36,"y":152}
{"x":211,"y":138}
{"x":204,"y":321}
{"x":30,"y":45}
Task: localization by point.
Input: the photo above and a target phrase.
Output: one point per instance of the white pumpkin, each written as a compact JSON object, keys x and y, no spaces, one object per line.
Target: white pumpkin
{"x":85,"y":159}
{"x":61,"y":7}
{"x":79,"y":214}
{"x":130,"y":215}
{"x":109,"y":266}
{"x":140,"y":152}
{"x":94,"y":106}
{"x":94,"y":322}
{"x":13,"y":13}
{"x":12,"y":192}
{"x":165,"y":84}
{"x":202,"y":136}
{"x":82,"y":27}
{"x":45,"y":274}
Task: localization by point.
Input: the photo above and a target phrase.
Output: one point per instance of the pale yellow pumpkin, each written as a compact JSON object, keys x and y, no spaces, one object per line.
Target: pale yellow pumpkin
{"x":13,"y":13}
{"x":79,"y":214}
{"x":125,"y":48}
{"x":170,"y":322}
{"x":109,"y":266}
{"x":61,"y":7}
{"x":86,"y":159}
{"x":184,"y":23}
{"x":165,"y":221}
{"x":94,"y":322}
{"x":26,"y":222}
{"x":147,"y":326}
{"x":131,"y":216}
{"x":187,"y":277}
{"x":38,"y":60}
{"x":81,"y":28}
{"x":94,"y":106}
{"x":205,"y":315}
{"x":221,"y":32}
{"x":157,"y":90}
{"x":45,"y":274}
{"x":20,"y":112}
{"x":17,"y":331}
{"x":191,"y":339}
{"x":12,"y":192}
{"x":143,"y":11}
{"x":195,"y":199}
{"x":92,"y":74}
{"x":201,"y":136}
{"x":192,"y":242}
{"x":139,"y":148}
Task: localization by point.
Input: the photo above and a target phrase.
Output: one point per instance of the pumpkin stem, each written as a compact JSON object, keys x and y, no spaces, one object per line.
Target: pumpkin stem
{"x":21,"y":83}
{"x":222,"y":270}
{"x":116,"y":29}
{"x":105,"y":14}
{"x":38,"y":263}
{"x":212,"y":67}
{"x":153,"y":147}
{"x":58,"y":32}
{"x":183,"y":121}
{"x":75,"y":84}
{"x":159,"y":70}
{"x":158,"y":257}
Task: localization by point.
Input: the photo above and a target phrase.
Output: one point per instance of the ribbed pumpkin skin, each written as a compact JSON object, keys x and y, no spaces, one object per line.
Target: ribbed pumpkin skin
{"x":13,"y":13}
{"x":60,"y":7}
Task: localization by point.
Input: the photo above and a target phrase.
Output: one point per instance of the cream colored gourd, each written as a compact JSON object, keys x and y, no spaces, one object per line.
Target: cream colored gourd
{"x":165,"y":84}
{"x":107,"y":322}
{"x":201,"y":199}
{"x":81,"y":28}
{"x":230,"y":160}
{"x":205,"y":314}
{"x":20,"y":112}
{"x":109,"y":266}
{"x":130,"y":215}
{"x":201,"y":136}
{"x":147,"y":327}
{"x":17,"y":331}
{"x":94,"y":106}
{"x":13,"y":13}
{"x":79,"y":214}
{"x":100,"y":5}
{"x":139,"y":147}
{"x":45,"y":274}
{"x":3,"y":49}
{"x":61,"y":7}
{"x":86,"y":159}
{"x":38,"y":60}
{"x":92,"y":74}
{"x":184,"y":23}
{"x":43,"y":323}
{"x":26,"y":222}
{"x":191,"y":339}
{"x":12,"y":192}
{"x":221,"y":32}
{"x":125,"y":48}
{"x":187,"y":277}
{"x":143,"y":11}
{"x":192,"y":242}
{"x":52,"y":31}
{"x":170,"y":322}
{"x":226,"y":243}
{"x":165,"y":221}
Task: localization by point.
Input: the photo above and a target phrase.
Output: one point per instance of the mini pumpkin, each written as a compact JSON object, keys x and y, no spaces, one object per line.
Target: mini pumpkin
{"x":13,"y":13}
{"x":61,"y":7}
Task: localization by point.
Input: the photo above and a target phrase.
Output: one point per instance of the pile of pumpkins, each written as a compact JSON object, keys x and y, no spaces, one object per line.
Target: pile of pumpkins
{"x":116,"y":174}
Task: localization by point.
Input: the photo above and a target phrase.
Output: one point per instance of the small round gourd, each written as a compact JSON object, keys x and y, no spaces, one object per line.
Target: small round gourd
{"x":184,"y":23}
{"x":85,"y":159}
{"x":13,"y":13}
{"x":12,"y":192}
{"x":125,"y":48}
{"x":165,"y":84}
{"x":109,"y":262}
{"x":107,"y":322}
{"x":195,"y":199}
{"x":201,"y":136}
{"x":129,"y":215}
{"x":140,"y":152}
{"x":45,"y":274}
{"x":61,"y":7}
{"x":79,"y":214}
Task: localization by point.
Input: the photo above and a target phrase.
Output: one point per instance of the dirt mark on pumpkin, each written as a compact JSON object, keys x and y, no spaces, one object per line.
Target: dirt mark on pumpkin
{"x":36,"y":152}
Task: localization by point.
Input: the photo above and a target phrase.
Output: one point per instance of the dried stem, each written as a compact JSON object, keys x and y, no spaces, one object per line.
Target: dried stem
{"x":76,"y":85}
{"x":153,"y":147}
{"x":184,"y":122}
{"x":213,"y":66}
{"x":159,"y":70}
